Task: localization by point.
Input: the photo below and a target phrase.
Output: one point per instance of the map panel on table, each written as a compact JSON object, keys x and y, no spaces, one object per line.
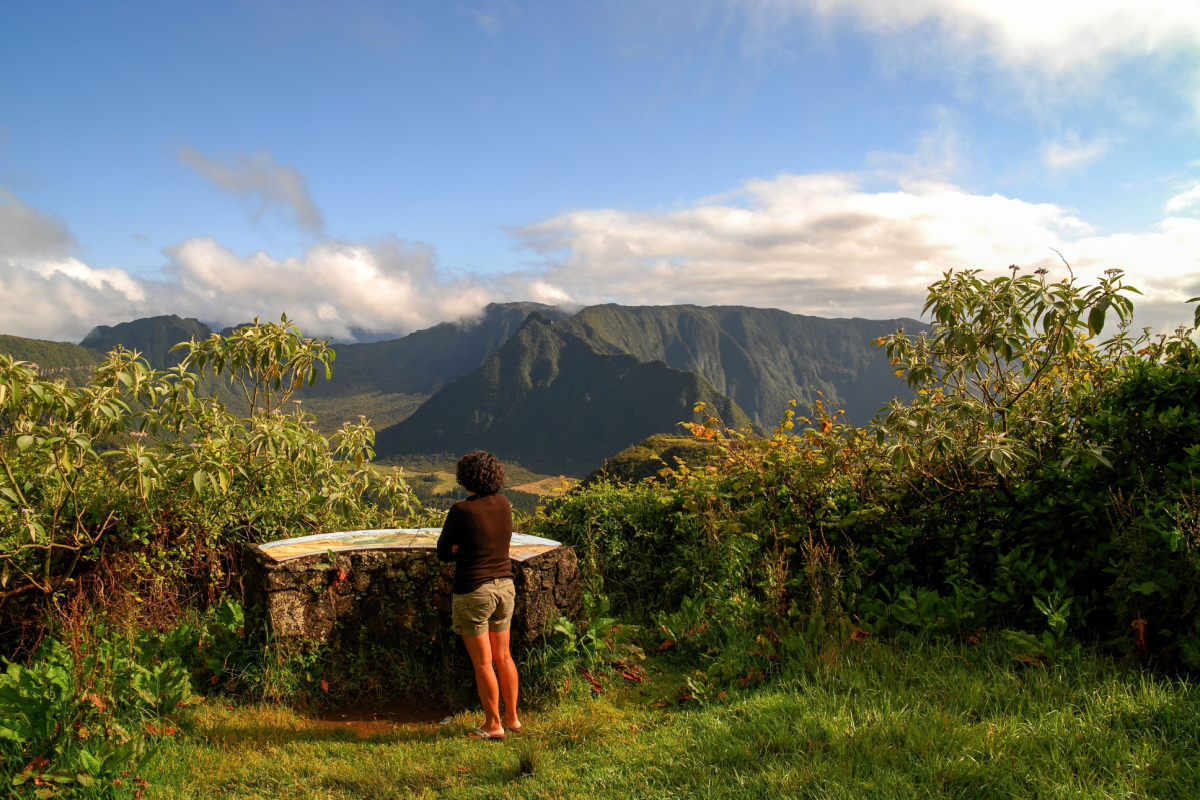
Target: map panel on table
{"x":523,"y":546}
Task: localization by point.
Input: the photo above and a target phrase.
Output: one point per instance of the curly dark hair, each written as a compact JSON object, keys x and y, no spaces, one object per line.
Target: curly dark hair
{"x":480,"y":473}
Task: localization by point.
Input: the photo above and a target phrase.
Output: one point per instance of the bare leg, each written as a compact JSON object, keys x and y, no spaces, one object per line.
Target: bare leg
{"x":506,"y":670}
{"x":480,"y":649}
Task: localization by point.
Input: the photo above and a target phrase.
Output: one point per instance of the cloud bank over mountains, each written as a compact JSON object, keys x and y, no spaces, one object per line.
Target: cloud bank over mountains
{"x":332,"y":289}
{"x":832,"y":244}
{"x":825,"y":245}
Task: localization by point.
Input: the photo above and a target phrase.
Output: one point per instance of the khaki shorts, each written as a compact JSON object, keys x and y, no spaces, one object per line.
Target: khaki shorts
{"x":488,"y":608}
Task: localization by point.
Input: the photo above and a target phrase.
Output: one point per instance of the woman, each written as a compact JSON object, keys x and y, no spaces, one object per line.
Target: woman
{"x":476,"y":536}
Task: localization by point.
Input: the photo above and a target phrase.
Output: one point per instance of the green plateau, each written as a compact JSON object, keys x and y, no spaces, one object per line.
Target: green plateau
{"x":59,"y":360}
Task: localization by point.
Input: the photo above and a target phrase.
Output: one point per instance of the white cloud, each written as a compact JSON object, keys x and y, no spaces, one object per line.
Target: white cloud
{"x":1065,"y":44}
{"x":1071,"y":152}
{"x":42,"y":286}
{"x":1058,"y":36}
{"x":334,"y":289}
{"x":488,"y":21}
{"x":111,"y":279}
{"x":822,"y":244}
{"x":263,"y":181}
{"x":828,"y":244}
{"x":59,"y":304}
{"x":542,"y":292}
{"x":490,"y":16}
{"x":1184,"y":200}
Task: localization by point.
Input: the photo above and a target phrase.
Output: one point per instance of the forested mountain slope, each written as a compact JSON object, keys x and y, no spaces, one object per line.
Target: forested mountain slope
{"x":550,"y":400}
{"x":54,"y":359}
{"x":759,"y":357}
{"x":750,"y":363}
{"x":384,"y":381}
{"x":425,"y":360}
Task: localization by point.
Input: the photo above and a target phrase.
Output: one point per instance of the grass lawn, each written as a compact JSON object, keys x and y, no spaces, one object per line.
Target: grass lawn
{"x":870,"y":720}
{"x":547,"y":487}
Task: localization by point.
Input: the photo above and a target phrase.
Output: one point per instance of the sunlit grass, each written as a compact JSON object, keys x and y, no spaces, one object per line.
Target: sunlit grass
{"x":873,"y":721}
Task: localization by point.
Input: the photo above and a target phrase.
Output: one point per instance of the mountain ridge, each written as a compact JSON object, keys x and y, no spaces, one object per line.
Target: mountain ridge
{"x":760,"y":358}
{"x":551,"y":401}
{"x":601,"y":363}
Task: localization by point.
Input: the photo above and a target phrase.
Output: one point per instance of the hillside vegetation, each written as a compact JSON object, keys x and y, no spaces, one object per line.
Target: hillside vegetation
{"x":153,"y":337}
{"x":384,"y":381}
{"x":549,"y":400}
{"x":433,"y":482}
{"x":1041,"y":481}
{"x":388,"y":381}
{"x":649,"y":458}
{"x":761,"y":358}
{"x":64,"y":360}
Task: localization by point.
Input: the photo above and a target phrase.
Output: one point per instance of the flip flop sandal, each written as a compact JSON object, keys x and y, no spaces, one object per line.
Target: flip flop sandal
{"x":517,"y":729}
{"x":480,"y":733}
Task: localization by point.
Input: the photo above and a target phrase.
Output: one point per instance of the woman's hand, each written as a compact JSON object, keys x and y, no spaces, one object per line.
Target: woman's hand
{"x":453,"y":549}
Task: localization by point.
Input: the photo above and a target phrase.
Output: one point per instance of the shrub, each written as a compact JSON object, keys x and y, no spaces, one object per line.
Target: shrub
{"x":185,"y":483}
{"x":1041,"y":480}
{"x":84,"y":715}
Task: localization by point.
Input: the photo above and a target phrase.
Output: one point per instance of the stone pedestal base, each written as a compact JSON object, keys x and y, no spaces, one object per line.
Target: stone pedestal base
{"x":395,"y":594}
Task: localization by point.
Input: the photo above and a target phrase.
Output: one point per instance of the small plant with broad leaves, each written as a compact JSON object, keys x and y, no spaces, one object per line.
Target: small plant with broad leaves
{"x":86,"y":718}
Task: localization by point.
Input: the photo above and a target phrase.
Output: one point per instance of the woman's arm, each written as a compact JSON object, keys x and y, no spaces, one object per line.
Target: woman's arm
{"x":447,"y":543}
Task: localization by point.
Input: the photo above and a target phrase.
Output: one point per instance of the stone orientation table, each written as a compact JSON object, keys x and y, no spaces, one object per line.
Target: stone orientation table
{"x":389,"y":584}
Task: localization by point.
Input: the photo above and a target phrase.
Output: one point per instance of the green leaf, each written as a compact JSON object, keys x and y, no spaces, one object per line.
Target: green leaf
{"x":89,"y":762}
{"x":10,"y":734}
{"x":24,"y":442}
{"x":198,"y":480}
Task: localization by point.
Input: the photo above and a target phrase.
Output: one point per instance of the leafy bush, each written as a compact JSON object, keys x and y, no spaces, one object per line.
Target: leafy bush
{"x":145,"y":484}
{"x":84,"y":718}
{"x":185,"y":483}
{"x":1041,"y":480}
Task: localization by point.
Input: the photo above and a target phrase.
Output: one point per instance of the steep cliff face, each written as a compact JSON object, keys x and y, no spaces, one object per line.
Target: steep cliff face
{"x":551,"y":401}
{"x":426,"y":360}
{"x":761,"y":358}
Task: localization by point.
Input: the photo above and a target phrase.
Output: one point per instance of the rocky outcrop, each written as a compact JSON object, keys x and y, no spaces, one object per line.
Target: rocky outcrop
{"x":391,"y":594}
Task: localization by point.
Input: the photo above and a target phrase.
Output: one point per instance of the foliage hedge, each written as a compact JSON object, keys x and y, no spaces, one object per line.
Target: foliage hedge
{"x":1041,"y":482}
{"x":137,"y":482}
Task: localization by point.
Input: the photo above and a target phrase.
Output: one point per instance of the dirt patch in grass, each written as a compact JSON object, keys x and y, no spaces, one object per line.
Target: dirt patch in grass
{"x":370,"y":718}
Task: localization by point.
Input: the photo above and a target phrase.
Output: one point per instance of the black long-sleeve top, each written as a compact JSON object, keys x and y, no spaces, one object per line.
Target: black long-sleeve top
{"x":481,"y":526}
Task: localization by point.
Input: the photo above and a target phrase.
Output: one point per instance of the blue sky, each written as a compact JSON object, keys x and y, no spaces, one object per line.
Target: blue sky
{"x":385,"y":166}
